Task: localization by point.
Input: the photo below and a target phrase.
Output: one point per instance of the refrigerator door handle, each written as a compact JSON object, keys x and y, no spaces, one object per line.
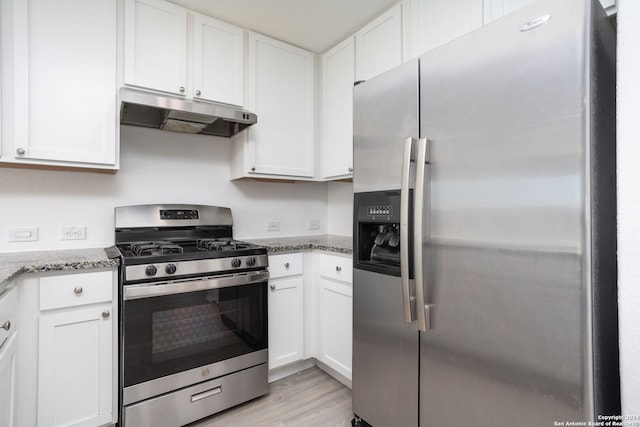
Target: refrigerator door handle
{"x":408,"y":297}
{"x":423,"y":315}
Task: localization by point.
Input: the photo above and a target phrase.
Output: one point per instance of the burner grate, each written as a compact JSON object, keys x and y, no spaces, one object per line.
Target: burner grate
{"x":220,"y":245}
{"x":155,"y":248}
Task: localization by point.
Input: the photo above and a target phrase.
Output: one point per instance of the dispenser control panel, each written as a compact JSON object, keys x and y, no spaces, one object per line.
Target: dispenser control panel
{"x":379,"y":210}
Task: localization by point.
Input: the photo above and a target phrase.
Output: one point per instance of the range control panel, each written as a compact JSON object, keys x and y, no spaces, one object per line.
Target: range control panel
{"x":179,"y":214}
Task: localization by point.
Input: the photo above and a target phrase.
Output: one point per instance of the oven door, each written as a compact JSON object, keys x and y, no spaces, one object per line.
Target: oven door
{"x":177,"y":334}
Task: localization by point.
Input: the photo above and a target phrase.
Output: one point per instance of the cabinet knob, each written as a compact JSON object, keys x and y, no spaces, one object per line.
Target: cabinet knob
{"x":350,"y":169}
{"x":286,"y":265}
{"x":6,"y":325}
{"x":338,"y":268}
{"x":182,"y":89}
{"x":273,"y":287}
{"x":198,"y":92}
{"x":253,"y":168}
{"x":106,"y":314}
{"x":77,"y":290}
{"x":21,"y":151}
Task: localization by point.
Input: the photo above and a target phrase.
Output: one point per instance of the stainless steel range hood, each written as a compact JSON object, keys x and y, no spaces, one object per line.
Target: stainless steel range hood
{"x":139,"y":108}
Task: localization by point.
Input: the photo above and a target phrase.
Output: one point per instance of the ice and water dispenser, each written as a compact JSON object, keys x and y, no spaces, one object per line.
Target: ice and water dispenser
{"x":377,"y":231}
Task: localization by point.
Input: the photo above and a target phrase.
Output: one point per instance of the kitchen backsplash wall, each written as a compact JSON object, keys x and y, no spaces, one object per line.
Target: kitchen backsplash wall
{"x":167,"y":167}
{"x":340,"y":208}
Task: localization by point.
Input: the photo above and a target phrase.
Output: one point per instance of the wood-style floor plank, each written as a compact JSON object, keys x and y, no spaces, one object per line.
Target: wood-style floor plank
{"x":309,"y":398}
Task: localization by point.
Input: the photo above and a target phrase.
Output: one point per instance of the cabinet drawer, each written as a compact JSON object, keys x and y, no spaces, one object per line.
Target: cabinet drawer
{"x":285,"y":265}
{"x":75,"y":289}
{"x":335,"y":267}
{"x":8,"y":314}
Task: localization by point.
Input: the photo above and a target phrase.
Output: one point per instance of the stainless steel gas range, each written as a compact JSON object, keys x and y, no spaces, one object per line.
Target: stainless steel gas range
{"x":193,"y":326}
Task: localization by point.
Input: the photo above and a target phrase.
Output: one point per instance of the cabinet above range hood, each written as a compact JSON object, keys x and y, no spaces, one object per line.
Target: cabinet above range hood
{"x":139,"y":108}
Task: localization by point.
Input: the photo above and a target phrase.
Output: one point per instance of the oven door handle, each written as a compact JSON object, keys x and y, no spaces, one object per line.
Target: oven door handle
{"x":148,"y":290}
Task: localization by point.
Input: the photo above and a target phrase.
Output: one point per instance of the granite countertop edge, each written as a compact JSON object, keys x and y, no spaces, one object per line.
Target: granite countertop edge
{"x":14,"y":264}
{"x":329,"y":242}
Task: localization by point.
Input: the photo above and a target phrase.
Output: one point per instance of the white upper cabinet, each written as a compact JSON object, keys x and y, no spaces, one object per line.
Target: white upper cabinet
{"x":379,"y":45}
{"x":164,"y":52}
{"x":338,"y":76}
{"x":443,"y":21}
{"x":218,"y":61}
{"x":281,"y":93}
{"x":155,"y":45}
{"x":62,"y":57}
{"x":494,"y":9}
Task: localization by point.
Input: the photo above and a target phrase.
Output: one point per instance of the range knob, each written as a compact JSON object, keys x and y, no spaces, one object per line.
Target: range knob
{"x":235,"y":263}
{"x":151,"y":270}
{"x":251,"y":261}
{"x":170,"y":268}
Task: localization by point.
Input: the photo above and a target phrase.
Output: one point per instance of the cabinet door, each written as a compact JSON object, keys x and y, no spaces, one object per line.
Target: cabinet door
{"x":64,"y":102}
{"x":75,"y":367}
{"x":218,"y":61}
{"x":281,"y":90}
{"x":286,"y":325}
{"x":494,"y":9}
{"x":335,"y":325}
{"x":379,"y":44}
{"x":338,"y":76}
{"x":8,"y":381}
{"x":443,"y":21}
{"x":155,"y":45}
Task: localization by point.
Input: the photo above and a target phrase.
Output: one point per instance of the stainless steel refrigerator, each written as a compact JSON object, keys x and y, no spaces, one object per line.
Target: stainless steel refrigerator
{"x":484,"y":228}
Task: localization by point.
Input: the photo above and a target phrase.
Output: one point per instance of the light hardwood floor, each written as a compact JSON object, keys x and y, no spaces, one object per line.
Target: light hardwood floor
{"x":310,"y":398}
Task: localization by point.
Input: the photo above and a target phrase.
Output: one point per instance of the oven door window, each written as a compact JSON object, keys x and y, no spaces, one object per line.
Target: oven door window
{"x":169,"y":334}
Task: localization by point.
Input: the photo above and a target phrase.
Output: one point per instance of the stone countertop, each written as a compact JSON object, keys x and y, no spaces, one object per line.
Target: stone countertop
{"x":14,"y":264}
{"x":327,"y":242}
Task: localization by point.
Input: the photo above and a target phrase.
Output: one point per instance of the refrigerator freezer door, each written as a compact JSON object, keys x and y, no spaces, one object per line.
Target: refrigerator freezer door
{"x":385,"y":353}
{"x":506,"y":115}
{"x":385,"y":114}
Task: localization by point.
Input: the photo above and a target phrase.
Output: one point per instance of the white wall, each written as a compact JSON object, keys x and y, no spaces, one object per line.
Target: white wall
{"x":156,"y":167}
{"x":340,"y":208}
{"x":628,"y":122}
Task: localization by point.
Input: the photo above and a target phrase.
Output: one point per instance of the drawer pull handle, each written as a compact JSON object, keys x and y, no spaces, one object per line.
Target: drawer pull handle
{"x":205,"y":394}
{"x":338,"y":268}
{"x":106,"y":314}
{"x":77,"y":290}
{"x":6,"y":325}
{"x":273,"y":287}
{"x":286,"y":265}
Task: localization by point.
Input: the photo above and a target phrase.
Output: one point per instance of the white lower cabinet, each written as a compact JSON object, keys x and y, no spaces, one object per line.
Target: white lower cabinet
{"x":75,"y":366}
{"x":311,"y":304}
{"x":8,"y":345}
{"x":335,"y":312}
{"x":286,"y":321}
{"x":68,"y":359}
{"x":7,"y":382}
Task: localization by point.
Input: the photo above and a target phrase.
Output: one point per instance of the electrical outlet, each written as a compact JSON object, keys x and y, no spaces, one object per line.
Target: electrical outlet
{"x":24,"y":234}
{"x":73,"y":233}
{"x":314,"y":224}
{"x":273,"y":226}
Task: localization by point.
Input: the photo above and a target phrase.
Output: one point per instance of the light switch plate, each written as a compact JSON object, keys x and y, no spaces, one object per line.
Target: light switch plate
{"x":23,"y":234}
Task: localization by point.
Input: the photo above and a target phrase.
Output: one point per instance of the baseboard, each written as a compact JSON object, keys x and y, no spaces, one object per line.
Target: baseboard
{"x":295,"y":367}
{"x":335,"y":374}
{"x":290,"y":369}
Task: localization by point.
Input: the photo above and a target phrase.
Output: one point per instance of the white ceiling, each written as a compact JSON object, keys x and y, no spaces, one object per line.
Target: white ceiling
{"x":316,"y":25}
